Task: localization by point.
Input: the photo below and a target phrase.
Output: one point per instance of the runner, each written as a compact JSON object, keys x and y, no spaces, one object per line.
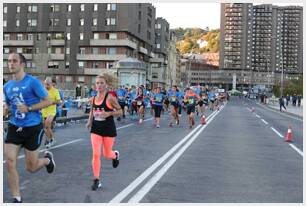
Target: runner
{"x":49,"y":112}
{"x":180,"y":102}
{"x":122,"y":93}
{"x":201,"y":104}
{"x":211,"y":98}
{"x":190,"y":100}
{"x":103,"y":128}
{"x":24,"y":97}
{"x":157,"y":100}
{"x":173,"y":98}
{"x":139,"y":101}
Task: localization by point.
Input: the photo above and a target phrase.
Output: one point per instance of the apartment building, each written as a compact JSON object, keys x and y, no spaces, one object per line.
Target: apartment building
{"x":75,"y":42}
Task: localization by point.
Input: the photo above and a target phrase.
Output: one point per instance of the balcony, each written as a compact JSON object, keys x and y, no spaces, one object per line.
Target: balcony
{"x":27,"y":56}
{"x":158,"y":60}
{"x":143,"y":50}
{"x":57,"y":56}
{"x":101,"y":57}
{"x":113,"y":42}
{"x":18,"y":43}
{"x":56,"y":42}
{"x":94,"y":71}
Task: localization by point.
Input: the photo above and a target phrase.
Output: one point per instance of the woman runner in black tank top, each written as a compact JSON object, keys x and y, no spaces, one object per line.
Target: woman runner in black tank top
{"x":103,"y":128}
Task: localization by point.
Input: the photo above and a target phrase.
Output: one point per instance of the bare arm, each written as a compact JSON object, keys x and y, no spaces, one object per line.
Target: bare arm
{"x":113,"y":101}
{"x":45,"y":102}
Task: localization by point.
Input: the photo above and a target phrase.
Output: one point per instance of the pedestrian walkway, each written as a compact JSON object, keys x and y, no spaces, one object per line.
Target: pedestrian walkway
{"x":295,"y":110}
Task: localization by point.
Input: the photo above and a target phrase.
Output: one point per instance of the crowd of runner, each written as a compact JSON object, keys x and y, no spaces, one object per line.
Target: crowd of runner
{"x":33,"y":105}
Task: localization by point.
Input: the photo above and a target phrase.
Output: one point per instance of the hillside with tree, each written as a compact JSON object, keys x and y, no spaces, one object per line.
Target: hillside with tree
{"x":197,"y":40}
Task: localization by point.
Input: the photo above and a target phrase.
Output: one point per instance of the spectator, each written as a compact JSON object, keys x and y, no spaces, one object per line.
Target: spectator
{"x":287,"y":99}
{"x":294,"y":100}
{"x":281,"y":103}
{"x":299,"y":98}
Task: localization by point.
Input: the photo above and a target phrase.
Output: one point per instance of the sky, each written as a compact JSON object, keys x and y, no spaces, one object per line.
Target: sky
{"x":194,"y":14}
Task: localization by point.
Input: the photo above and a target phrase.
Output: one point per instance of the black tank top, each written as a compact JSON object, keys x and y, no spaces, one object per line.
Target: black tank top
{"x":103,"y":127}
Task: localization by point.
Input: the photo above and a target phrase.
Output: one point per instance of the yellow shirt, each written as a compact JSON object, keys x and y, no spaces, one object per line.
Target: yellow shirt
{"x":54,"y":95}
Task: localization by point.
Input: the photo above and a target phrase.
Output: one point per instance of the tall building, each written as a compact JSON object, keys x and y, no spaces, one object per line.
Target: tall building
{"x":160,"y":61}
{"x":262,"y":39}
{"x":75,"y":42}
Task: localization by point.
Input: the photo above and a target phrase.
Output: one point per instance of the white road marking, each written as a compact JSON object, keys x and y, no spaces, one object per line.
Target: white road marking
{"x":257,"y":116}
{"x":264,"y":121}
{"x":291,"y":145}
{"x":148,"y":186}
{"x":124,"y":193}
{"x":279,"y":134}
{"x":296,"y":149}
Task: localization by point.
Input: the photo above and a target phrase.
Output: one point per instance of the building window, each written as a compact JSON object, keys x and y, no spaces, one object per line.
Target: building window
{"x":94,"y":21}
{"x":111,"y":7}
{"x":82,"y":50}
{"x":5,"y":64}
{"x":68,"y":78}
{"x":55,"y":8}
{"x":95,"y":50}
{"x":5,"y":9}
{"x":32,"y":22}
{"x":139,"y":28}
{"x":19,"y":50}
{"x":157,"y":26}
{"x":95,"y":7}
{"x":158,"y":46}
{"x":6,"y":50}
{"x":81,"y":36}
{"x":68,"y":36}
{"x":111,"y":36}
{"x":4,"y":23}
{"x":96,"y":35}
{"x":19,"y":37}
{"x":69,"y":7}
{"x":17,"y":23}
{"x":30,"y":36}
{"x":6,"y":37}
{"x":32,"y":8}
{"x":82,"y":7}
{"x":67,"y":65}
{"x":81,"y":64}
{"x":53,"y":64}
{"x":110,"y":21}
{"x":81,"y":22}
{"x":37,"y":50}
{"x":18,"y":9}
{"x":38,"y":37}
{"x":54,"y":22}
{"x":68,"y":50}
{"x":111,"y":50}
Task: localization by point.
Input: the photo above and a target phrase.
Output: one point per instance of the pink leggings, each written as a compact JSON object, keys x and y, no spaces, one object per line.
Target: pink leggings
{"x":97,"y":141}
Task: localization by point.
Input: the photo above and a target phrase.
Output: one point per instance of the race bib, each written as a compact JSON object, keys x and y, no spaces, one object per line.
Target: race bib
{"x":173,"y":99}
{"x":139,"y":103}
{"x":97,"y":115}
{"x":190,"y":101}
{"x":121,"y":97}
{"x":158,"y":99}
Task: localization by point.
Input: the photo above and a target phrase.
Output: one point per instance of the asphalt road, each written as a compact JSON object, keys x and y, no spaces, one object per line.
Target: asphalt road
{"x":235,"y":157}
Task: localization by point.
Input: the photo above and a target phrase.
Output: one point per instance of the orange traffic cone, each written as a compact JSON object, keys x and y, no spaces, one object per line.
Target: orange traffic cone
{"x":203,"y":120}
{"x":289,"y":135}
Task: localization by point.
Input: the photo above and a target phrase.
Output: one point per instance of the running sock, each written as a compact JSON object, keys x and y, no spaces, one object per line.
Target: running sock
{"x":17,"y":198}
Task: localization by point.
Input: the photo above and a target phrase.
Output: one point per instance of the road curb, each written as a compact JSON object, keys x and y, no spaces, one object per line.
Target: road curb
{"x":69,"y":119}
{"x":286,"y":112}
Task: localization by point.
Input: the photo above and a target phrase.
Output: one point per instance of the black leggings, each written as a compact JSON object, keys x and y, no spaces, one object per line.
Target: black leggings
{"x":157,"y":110}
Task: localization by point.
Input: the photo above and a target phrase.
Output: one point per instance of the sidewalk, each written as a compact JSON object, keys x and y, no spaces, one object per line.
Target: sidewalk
{"x":296,"y":111}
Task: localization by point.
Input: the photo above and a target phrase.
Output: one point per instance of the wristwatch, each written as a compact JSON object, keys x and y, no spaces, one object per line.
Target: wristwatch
{"x":30,"y":108}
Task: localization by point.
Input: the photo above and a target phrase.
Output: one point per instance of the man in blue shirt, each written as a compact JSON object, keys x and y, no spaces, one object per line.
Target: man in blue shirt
{"x":122,"y":94}
{"x":24,"y":97}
